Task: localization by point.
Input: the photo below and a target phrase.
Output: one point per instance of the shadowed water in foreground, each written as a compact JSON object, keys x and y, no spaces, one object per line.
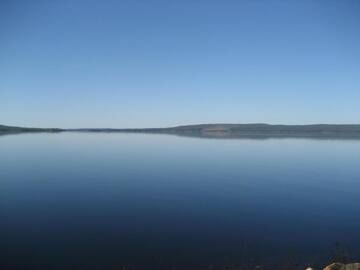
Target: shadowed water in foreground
{"x":145,"y":201}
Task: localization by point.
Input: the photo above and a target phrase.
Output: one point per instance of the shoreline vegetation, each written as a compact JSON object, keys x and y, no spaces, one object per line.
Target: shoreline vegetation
{"x":219,"y":130}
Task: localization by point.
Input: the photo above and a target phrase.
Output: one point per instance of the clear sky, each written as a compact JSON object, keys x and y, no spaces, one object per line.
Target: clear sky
{"x":155,"y":63}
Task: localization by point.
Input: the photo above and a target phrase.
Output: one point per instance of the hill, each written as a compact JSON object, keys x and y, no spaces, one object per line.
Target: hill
{"x":222,"y":130}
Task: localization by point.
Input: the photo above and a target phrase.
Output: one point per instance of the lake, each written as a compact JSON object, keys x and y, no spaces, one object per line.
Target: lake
{"x":146,"y":201}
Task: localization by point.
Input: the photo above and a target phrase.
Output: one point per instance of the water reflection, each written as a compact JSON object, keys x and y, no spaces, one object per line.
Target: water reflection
{"x":123,"y":200}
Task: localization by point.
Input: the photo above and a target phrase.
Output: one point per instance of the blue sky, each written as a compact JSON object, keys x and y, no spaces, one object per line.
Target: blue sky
{"x":84,"y":63}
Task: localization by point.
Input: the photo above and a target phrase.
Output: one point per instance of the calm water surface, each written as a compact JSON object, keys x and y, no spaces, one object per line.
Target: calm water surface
{"x":104,"y":201}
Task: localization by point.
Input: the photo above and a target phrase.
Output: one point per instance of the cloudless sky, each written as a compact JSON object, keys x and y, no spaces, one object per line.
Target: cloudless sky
{"x":155,"y":63}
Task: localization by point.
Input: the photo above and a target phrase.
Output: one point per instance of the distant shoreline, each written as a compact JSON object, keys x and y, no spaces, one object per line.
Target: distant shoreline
{"x":219,"y":130}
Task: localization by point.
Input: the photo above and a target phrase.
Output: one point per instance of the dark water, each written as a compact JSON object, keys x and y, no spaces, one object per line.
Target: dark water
{"x":111,"y":201}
